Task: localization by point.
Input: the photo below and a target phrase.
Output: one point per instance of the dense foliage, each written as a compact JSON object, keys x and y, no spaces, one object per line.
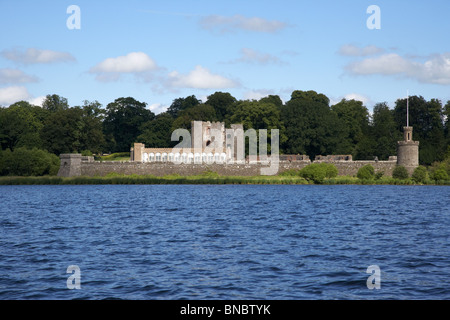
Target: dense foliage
{"x":307,"y":122}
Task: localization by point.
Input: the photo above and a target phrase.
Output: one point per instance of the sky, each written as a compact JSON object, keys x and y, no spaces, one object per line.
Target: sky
{"x":157,"y":51}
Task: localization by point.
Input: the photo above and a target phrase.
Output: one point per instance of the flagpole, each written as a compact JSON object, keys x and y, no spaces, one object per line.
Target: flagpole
{"x":407,"y":108}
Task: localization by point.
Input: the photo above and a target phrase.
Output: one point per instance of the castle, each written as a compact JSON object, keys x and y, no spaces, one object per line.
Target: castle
{"x":214,"y":148}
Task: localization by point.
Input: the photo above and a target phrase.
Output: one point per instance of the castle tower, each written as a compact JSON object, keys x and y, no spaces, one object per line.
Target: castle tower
{"x":408,"y":150}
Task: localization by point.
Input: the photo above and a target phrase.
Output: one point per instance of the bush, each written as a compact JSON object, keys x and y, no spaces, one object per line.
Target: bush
{"x":439,"y":174}
{"x":400,"y":173}
{"x":317,"y":172}
{"x":366,"y":172}
{"x":420,"y":174}
{"x":26,"y":162}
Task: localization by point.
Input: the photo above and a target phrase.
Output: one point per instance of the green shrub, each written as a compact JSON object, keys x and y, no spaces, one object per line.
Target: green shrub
{"x":366,"y":172}
{"x":400,"y":173}
{"x":26,"y":162}
{"x":439,"y":174}
{"x":317,"y":172}
{"x":420,"y":174}
{"x":379,"y":175}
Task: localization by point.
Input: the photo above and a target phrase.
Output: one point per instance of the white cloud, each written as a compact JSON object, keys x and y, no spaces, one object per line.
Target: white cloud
{"x":158,"y":108}
{"x":10,"y":76}
{"x":34,"y":56}
{"x":37,"y":101}
{"x":199,"y":78}
{"x":238,"y":22}
{"x":10,"y":95}
{"x":357,"y":97}
{"x":352,"y":50}
{"x":252,"y":56}
{"x":435,"y":70}
{"x":137,"y":63}
{"x":256,"y":94}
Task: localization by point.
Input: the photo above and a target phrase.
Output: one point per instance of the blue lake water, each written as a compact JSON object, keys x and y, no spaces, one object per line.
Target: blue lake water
{"x":224,"y":241}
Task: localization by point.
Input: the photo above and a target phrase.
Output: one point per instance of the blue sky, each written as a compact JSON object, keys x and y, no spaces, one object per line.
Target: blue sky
{"x":157,"y":51}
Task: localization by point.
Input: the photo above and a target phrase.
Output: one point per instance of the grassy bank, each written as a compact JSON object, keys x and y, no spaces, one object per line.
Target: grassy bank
{"x":202,"y":179}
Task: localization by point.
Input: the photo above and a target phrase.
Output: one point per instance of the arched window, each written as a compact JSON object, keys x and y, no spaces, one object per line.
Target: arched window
{"x":197,"y":158}
{"x":217,"y":157}
{"x":210,"y":158}
{"x":190,"y":157}
{"x":158,"y":157}
{"x":164,"y":157}
{"x":151,"y":157}
{"x":145,"y":157}
{"x":170,"y":157}
{"x":204,"y":157}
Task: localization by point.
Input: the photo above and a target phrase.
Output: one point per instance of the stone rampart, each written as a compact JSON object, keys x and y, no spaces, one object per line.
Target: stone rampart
{"x":97,"y":168}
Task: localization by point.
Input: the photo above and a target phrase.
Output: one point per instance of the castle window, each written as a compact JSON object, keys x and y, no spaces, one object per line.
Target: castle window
{"x":204,"y":157}
{"x":151,"y":157}
{"x":158,"y":157}
{"x":145,"y":157}
{"x":190,"y":157}
{"x":210,"y":158}
{"x":217,"y":157}
{"x":164,"y":157}
{"x":170,"y":157}
{"x":197,"y":158}
{"x":183,"y":157}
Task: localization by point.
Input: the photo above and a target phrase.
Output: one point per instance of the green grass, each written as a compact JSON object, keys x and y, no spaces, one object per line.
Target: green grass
{"x":119,"y":156}
{"x":207,"y":178}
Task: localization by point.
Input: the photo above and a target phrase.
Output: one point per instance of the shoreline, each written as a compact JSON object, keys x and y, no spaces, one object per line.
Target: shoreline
{"x":205,"y":179}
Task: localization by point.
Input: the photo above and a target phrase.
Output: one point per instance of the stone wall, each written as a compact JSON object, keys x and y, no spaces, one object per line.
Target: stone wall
{"x":161,"y":169}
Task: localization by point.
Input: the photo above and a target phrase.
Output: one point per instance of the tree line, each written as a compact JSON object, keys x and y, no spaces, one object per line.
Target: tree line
{"x":308,"y":124}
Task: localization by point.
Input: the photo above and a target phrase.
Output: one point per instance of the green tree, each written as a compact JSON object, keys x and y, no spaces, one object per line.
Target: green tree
{"x":311,"y":127}
{"x":427,"y":118}
{"x":355,"y":117}
{"x":201,"y":112}
{"x":157,"y":133}
{"x":54,"y":102}
{"x":123,"y":120}
{"x":62,"y":131}
{"x":20,"y":125}
{"x":221,"y":102}
{"x":384,"y":131}
{"x":181,"y":104}
{"x":259,"y":115}
{"x":91,"y":135}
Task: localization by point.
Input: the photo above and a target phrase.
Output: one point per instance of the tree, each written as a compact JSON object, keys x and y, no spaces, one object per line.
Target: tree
{"x":384,"y":131}
{"x":221,"y":102}
{"x":157,"y":133}
{"x":201,"y":112}
{"x":181,"y":104}
{"x":62,"y":131}
{"x":259,"y":115}
{"x":20,"y":125}
{"x":123,"y":120}
{"x":311,"y":127}
{"x":355,"y":117}
{"x":54,"y":103}
{"x":427,"y":118}
{"x":91,"y":135}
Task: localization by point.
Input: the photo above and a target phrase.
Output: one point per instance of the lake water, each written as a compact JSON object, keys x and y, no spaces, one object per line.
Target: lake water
{"x":224,"y":242}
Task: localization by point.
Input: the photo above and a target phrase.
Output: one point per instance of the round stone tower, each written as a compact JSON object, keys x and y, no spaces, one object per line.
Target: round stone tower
{"x":408,"y":151}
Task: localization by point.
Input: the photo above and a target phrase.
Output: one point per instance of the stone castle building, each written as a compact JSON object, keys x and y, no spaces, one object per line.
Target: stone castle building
{"x":213,"y":148}
{"x":408,"y":151}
